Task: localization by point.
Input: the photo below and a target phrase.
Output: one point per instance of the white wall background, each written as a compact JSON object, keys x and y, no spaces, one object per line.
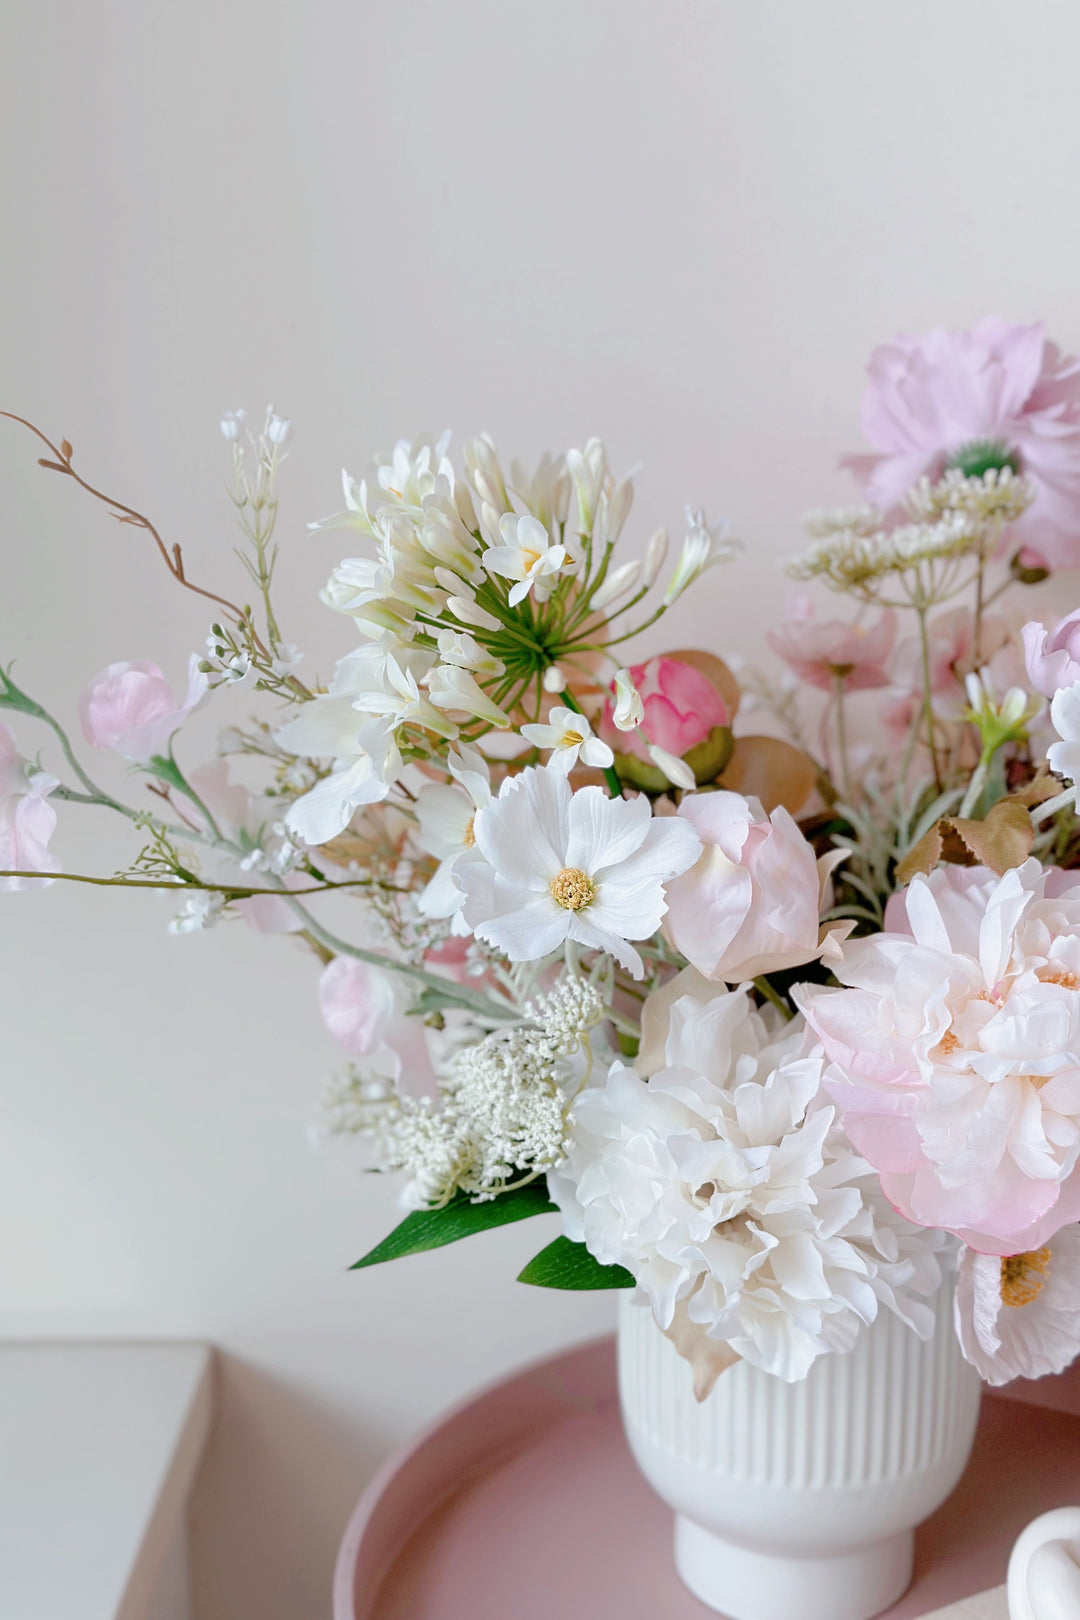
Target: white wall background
{"x":681,"y":226}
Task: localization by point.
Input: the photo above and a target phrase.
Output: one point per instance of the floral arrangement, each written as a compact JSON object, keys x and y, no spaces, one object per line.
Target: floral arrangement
{"x":786,"y":1025}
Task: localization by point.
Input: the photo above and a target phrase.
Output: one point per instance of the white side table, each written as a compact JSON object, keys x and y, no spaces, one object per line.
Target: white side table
{"x":99,"y":1445}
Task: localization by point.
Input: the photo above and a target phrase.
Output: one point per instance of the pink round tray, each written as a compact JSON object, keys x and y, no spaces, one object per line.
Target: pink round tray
{"x":524,"y":1504}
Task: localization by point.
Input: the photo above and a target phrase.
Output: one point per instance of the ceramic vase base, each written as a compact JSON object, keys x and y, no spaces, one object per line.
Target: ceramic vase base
{"x":746,"y":1583}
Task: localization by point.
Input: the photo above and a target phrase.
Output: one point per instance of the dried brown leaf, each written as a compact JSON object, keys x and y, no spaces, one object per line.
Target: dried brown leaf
{"x":771,"y":770}
{"x":1001,"y":841}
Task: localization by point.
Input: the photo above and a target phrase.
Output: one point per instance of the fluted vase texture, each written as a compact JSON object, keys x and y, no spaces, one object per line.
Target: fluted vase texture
{"x":800,"y":1501}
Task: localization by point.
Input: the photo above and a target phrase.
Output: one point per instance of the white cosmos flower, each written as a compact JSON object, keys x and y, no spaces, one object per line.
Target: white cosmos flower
{"x":1019,"y":1317}
{"x":446,"y":816}
{"x":552,"y":865}
{"x":727,"y":1189}
{"x":528,"y":556}
{"x":569,"y":735}
{"x":1064,"y":756}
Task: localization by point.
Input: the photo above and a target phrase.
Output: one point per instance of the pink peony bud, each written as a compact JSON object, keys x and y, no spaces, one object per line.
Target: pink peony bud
{"x":1053,"y":657}
{"x":681,"y":708}
{"x":129,"y":707}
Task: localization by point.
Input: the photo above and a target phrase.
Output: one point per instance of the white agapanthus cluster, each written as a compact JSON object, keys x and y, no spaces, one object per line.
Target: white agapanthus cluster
{"x":727,"y":1189}
{"x":501,"y":1115}
{"x":476,"y":588}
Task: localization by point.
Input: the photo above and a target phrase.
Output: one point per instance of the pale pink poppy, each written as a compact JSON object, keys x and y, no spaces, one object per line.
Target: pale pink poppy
{"x":751,"y":903}
{"x":953,"y":1050}
{"x":129,"y":707}
{"x":27,"y":819}
{"x":929,"y":396}
{"x":824,"y":652}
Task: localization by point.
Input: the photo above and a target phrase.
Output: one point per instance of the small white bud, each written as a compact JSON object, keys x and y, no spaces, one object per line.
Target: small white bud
{"x":232,"y":423}
{"x":676,"y":770}
{"x":620,"y":582}
{"x":554,"y":679}
{"x":655,"y":556}
{"x":279,"y":429}
{"x":629,"y":710}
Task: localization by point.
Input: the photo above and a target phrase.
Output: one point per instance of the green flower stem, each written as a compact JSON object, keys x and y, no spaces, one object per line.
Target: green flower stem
{"x":839,"y":689}
{"x":977,"y":783}
{"x":762,"y":985}
{"x":610,"y":773}
{"x":928,"y":707}
{"x":233,"y":890}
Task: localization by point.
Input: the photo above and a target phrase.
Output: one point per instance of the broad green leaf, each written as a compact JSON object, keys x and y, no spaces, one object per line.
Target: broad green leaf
{"x":565,"y":1264}
{"x":431,"y":1228}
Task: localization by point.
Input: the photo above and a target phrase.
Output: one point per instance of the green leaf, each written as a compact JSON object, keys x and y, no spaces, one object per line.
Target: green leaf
{"x":12,"y":698}
{"x":565,"y":1264}
{"x":166,"y":770}
{"x":431,"y":1228}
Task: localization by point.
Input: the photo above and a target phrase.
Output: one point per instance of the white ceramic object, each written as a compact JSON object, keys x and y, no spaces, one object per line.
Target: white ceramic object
{"x":1044,"y":1569}
{"x":801,"y":1500}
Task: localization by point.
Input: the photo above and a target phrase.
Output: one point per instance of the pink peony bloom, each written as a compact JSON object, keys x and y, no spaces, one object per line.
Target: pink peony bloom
{"x":820,"y":653}
{"x":955,"y":1052}
{"x":930,"y":396}
{"x":752,"y":901}
{"x":129,"y":707}
{"x":27,"y":820}
{"x":1053,"y":656}
{"x":681,"y":707}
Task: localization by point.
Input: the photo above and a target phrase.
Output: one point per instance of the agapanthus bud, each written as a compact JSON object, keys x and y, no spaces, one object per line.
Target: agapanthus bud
{"x":676,"y":770}
{"x":655,"y":553}
{"x":620,"y":582}
{"x":554,"y":679}
{"x":629,"y":710}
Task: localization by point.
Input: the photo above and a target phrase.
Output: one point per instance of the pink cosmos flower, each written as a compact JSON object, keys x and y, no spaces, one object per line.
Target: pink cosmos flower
{"x":822,"y":653}
{"x":955,"y":1052}
{"x":1053,"y":657}
{"x":27,"y":820}
{"x":681,"y":708}
{"x":752,"y":901}
{"x":129,"y":707}
{"x":929,"y":396}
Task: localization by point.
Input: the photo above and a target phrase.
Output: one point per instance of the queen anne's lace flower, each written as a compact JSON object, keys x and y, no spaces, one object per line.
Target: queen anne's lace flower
{"x":955,"y":1051}
{"x":1019,"y":1317}
{"x":552,"y":865}
{"x":725,"y":1187}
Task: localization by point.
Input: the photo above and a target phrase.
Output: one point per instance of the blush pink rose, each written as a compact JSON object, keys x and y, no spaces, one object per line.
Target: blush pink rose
{"x":953,"y":1051}
{"x":130,"y":708}
{"x":751,"y":903}
{"x":27,"y":820}
{"x":1053,"y":656}
{"x":821,"y":653}
{"x":682,"y":708}
{"x":931,"y":395}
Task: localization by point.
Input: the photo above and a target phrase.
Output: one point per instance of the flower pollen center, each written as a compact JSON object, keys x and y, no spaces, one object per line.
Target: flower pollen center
{"x":469,"y":835}
{"x":529,"y":558}
{"x":573,"y":889}
{"x":1022,"y":1276}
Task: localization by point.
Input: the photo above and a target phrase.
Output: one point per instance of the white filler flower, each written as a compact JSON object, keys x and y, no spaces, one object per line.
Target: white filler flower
{"x":551,"y":865}
{"x":726,"y":1188}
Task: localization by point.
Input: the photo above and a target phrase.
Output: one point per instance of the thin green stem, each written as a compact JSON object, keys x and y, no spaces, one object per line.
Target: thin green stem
{"x":928,"y":707}
{"x":762,"y":985}
{"x":839,"y":687}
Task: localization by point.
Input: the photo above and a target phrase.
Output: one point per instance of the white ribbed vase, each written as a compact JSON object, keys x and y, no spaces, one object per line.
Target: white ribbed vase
{"x":799,"y":1501}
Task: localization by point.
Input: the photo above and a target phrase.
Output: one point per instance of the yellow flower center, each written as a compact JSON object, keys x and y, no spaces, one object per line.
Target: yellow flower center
{"x":530,"y":558}
{"x":1062,"y":976}
{"x":573,"y":889}
{"x":469,"y":837}
{"x":1022,"y":1276}
{"x":572,"y":739}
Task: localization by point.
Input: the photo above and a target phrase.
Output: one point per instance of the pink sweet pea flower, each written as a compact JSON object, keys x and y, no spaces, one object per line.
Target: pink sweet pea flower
{"x":364,"y":1008}
{"x":129,"y":707}
{"x":823,"y":653}
{"x":682,"y":707}
{"x":930,"y":396}
{"x":1053,"y":657}
{"x":27,"y":820}
{"x":954,"y":1052}
{"x":251,"y":822}
{"x":752,"y":901}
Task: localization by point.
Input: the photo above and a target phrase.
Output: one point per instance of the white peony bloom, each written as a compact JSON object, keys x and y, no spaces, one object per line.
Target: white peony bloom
{"x":446,"y":815}
{"x":527,"y":556}
{"x":1019,"y":1317}
{"x":569,"y":736}
{"x":726,"y":1187}
{"x":1064,"y":756}
{"x":552,"y":865}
